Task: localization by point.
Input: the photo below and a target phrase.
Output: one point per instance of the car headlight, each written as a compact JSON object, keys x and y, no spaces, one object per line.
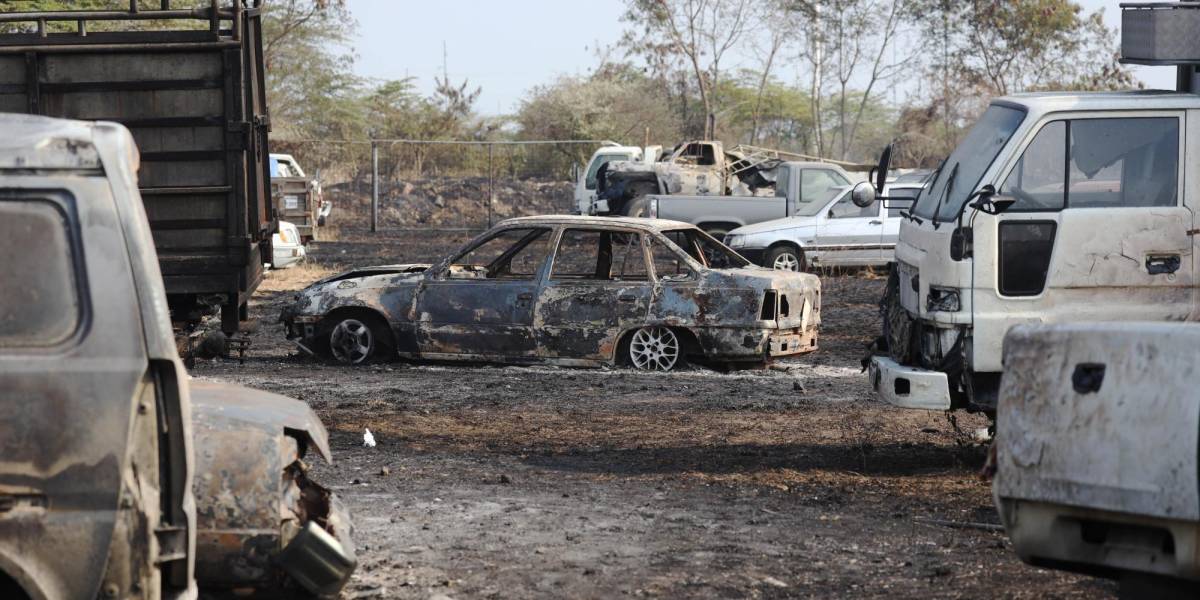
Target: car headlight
{"x":285,"y":236}
{"x":735,"y":241}
{"x":943,"y":300}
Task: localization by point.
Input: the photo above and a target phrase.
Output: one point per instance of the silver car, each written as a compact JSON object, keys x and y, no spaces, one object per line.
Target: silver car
{"x":832,"y":233}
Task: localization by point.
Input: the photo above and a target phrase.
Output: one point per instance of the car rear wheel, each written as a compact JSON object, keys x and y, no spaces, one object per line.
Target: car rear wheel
{"x":654,"y":349}
{"x":785,"y":258}
{"x":355,"y":340}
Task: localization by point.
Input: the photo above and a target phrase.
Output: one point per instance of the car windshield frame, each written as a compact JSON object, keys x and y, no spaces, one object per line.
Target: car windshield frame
{"x":738,"y":260}
{"x":970,"y":160}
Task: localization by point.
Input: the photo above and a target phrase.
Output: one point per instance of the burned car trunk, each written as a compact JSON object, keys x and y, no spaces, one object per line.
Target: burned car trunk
{"x":261,"y":522}
{"x":569,"y":290}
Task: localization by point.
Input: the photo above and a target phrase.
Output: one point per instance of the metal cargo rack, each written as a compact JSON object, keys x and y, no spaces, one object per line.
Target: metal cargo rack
{"x":194,"y":98}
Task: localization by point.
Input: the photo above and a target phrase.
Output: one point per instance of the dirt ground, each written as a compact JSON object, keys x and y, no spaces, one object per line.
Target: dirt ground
{"x":526,"y":482}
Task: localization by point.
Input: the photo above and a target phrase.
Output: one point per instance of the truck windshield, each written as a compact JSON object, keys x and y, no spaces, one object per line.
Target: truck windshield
{"x":965,"y":166}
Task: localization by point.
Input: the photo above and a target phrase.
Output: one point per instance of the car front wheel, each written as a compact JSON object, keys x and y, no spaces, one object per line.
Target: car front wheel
{"x":785,"y":258}
{"x":355,"y":340}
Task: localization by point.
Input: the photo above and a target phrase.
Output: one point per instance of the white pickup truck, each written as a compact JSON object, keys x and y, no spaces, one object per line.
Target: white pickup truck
{"x":1098,"y":439}
{"x":800,"y":187}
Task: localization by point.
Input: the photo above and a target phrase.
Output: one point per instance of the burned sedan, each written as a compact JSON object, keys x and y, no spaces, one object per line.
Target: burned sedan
{"x":568,"y":290}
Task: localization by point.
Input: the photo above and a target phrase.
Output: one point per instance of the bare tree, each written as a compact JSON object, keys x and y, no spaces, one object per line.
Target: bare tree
{"x":782,"y":28}
{"x":702,"y":32}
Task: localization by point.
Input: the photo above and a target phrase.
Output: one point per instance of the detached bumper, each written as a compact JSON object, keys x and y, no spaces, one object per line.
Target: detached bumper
{"x":909,"y":387}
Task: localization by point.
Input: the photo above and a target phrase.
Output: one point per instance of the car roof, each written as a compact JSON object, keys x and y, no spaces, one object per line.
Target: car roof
{"x":635,"y":222}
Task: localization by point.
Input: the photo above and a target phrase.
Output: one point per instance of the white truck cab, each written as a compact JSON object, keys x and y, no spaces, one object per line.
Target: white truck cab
{"x":1055,"y":207}
{"x":585,"y":184}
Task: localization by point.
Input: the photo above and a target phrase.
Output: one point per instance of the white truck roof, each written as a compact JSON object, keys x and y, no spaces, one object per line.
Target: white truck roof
{"x":1045,"y":102}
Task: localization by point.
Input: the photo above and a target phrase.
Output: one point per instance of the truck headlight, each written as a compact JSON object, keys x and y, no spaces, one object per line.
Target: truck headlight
{"x":942,"y":300}
{"x":735,"y":241}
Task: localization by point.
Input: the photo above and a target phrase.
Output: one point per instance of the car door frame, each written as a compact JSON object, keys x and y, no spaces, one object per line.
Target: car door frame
{"x":458,"y":334}
{"x":578,"y":339}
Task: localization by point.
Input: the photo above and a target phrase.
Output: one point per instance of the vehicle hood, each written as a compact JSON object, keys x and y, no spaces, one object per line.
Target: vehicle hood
{"x":361,"y":272}
{"x":785,"y":223}
{"x":234,"y":405}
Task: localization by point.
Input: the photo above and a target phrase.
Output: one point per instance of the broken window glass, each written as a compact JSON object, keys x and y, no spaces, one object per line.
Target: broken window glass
{"x":39,"y":301}
{"x":1124,"y":162}
{"x":668,"y":265}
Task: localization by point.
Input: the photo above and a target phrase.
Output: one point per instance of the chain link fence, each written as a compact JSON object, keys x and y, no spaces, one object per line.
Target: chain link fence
{"x":441,"y":185}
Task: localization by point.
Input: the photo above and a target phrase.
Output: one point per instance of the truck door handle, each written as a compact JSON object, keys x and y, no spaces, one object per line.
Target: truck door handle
{"x":525,"y":296}
{"x":627,"y":298}
{"x":1158,"y":264}
{"x":876,"y":223}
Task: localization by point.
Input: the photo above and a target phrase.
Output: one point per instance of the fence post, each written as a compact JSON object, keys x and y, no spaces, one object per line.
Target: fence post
{"x":374,"y":187}
{"x":491,"y":184}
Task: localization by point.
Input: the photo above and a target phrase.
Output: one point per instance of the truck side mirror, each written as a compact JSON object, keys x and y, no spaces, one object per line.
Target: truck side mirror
{"x":863,"y":195}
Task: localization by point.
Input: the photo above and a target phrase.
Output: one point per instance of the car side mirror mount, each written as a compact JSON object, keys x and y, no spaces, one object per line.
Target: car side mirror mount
{"x":879,"y":173}
{"x":862,"y":195}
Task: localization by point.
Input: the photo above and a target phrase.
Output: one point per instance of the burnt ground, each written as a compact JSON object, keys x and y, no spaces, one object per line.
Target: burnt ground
{"x":515,"y":482}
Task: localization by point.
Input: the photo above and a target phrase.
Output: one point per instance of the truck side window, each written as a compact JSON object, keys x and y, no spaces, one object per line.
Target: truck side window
{"x":820,"y":185}
{"x":1036,"y":183}
{"x":1123,"y":162}
{"x":783,"y":181}
{"x":903,"y":195}
{"x":39,"y":300}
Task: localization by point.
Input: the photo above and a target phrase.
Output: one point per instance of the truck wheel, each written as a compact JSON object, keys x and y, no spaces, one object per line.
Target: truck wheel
{"x":636,"y":207}
{"x":358,"y":339}
{"x":785,"y":258}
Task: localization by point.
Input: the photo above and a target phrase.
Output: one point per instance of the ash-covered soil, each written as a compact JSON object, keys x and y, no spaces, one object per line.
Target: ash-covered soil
{"x":528,"y":482}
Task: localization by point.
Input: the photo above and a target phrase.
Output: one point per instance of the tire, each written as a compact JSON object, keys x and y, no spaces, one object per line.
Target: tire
{"x":654,"y":348}
{"x":357,"y":339}
{"x":785,"y":258}
{"x":637,"y":206}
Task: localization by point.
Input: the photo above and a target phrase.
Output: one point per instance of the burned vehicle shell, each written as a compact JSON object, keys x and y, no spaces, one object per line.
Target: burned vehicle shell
{"x":570,"y":290}
{"x":261,"y":522}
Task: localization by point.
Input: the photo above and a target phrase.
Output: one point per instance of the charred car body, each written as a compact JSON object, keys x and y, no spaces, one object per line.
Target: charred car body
{"x":570,"y":290}
{"x":117,"y":477}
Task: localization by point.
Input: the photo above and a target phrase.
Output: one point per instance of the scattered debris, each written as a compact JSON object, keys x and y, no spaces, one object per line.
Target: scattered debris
{"x":368,"y":439}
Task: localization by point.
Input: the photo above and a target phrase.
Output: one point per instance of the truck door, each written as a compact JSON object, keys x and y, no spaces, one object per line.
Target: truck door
{"x":899,"y":200}
{"x":1099,"y":230}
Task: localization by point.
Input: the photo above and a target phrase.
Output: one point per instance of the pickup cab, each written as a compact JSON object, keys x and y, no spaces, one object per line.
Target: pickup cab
{"x":799,"y":187}
{"x":835,"y":232}
{"x":119,"y":477}
{"x":586,"y":182}
{"x":1054,"y":208}
{"x":1098,"y":434}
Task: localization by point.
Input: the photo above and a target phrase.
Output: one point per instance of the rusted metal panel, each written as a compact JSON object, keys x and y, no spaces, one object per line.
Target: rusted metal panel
{"x":469,"y":316}
{"x":253,"y":495}
{"x":1098,"y":434}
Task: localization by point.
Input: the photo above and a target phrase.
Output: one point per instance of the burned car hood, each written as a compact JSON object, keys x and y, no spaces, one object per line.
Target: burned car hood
{"x":379,"y":270}
{"x":233,"y":403}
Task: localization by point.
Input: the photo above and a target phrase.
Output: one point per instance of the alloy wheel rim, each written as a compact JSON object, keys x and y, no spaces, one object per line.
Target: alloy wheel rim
{"x":654,"y":349}
{"x":787,"y":262}
{"x":351,"y":341}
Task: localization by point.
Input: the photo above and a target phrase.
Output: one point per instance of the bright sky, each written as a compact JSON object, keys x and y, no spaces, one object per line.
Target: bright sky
{"x":509,"y":47}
